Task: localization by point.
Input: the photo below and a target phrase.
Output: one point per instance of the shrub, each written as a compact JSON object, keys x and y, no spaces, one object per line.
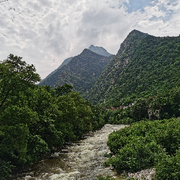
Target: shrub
{"x":169,"y":167}
{"x":147,"y":144}
{"x":137,"y":155}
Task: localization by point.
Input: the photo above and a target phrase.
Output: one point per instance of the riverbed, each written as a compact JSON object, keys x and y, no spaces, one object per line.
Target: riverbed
{"x":79,"y":161}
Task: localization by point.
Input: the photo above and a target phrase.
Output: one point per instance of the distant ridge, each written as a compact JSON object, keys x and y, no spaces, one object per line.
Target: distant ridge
{"x":81,"y":71}
{"x":52,"y":77}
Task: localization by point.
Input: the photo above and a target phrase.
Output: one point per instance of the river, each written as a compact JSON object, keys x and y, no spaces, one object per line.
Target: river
{"x":84,"y":160}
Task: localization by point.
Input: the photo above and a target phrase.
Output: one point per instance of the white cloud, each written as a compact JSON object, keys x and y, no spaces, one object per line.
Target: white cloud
{"x":45,"y":32}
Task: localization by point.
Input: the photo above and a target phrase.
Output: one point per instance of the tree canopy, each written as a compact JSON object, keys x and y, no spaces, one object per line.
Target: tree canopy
{"x":36,"y":119}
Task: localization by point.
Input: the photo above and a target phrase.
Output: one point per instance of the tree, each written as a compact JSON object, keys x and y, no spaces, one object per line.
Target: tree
{"x":15,"y":76}
{"x":64,"y":89}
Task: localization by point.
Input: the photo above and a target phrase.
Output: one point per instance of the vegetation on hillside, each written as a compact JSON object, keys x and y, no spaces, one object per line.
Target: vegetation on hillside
{"x":51,"y":79}
{"x":36,"y":119}
{"x":147,"y":142}
{"x":149,"y":66}
{"x":81,"y":71}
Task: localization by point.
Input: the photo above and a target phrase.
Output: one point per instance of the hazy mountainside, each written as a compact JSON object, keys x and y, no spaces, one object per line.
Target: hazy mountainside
{"x":52,"y":77}
{"x":99,"y":50}
{"x":144,"y":66}
{"x":83,"y":70}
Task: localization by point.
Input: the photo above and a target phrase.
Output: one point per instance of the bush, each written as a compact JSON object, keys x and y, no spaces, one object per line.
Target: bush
{"x":169,"y":167}
{"x":126,"y":120}
{"x":137,"y":155}
{"x":146,"y":144}
{"x":5,"y":169}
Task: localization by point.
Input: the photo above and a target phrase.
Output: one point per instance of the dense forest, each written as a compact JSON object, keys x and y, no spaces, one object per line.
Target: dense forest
{"x":144,"y":66}
{"x":36,"y":119}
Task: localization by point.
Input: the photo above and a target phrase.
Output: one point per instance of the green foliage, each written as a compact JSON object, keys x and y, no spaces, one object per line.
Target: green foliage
{"x":169,"y":167}
{"x":162,"y":106}
{"x":137,"y":155}
{"x":64,"y":89}
{"x":15,"y":76}
{"x":144,"y":66}
{"x":5,"y":169}
{"x":145,"y":144}
{"x":139,"y":109}
{"x":36,"y":119}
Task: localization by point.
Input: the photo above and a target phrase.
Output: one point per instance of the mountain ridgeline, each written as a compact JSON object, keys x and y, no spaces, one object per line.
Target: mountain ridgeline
{"x":144,"y":66}
{"x":81,"y":71}
{"x":52,"y":77}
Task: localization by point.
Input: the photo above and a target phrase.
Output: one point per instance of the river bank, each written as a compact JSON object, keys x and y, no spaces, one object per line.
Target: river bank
{"x":84,"y":159}
{"x":81,"y":161}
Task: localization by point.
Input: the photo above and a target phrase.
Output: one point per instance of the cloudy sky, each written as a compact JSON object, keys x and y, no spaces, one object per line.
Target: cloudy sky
{"x":46,"y":32}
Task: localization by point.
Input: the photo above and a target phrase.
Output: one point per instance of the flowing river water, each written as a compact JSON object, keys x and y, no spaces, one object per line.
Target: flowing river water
{"x":84,"y":160}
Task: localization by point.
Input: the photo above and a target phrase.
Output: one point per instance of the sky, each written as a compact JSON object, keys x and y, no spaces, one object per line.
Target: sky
{"x":46,"y":32}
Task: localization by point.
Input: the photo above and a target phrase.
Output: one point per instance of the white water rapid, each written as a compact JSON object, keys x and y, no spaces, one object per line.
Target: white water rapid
{"x":84,"y":160}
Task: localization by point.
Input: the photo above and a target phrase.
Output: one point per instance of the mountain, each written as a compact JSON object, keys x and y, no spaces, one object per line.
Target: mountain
{"x":144,"y":66}
{"x":99,"y":50}
{"x":52,"y":77}
{"x":81,"y":71}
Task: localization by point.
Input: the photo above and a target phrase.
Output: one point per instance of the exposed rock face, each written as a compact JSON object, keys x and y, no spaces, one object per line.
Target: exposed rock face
{"x":99,"y":50}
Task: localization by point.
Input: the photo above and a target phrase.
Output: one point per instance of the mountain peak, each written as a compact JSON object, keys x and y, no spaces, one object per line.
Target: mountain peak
{"x":138,"y":33}
{"x":99,"y":50}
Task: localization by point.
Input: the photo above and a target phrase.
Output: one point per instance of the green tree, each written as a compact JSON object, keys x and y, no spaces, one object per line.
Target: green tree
{"x":15,"y":76}
{"x":64,"y":89}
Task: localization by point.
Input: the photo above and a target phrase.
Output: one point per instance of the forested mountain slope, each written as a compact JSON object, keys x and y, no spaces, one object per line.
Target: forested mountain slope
{"x":52,"y":77}
{"x":88,"y":59}
{"x":83,"y":70}
{"x":144,"y":66}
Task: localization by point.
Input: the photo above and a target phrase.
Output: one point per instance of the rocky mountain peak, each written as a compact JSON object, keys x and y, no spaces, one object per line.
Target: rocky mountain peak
{"x":99,"y":50}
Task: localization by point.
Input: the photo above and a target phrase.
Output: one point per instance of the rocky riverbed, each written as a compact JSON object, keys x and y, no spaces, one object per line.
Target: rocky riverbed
{"x":81,"y":161}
